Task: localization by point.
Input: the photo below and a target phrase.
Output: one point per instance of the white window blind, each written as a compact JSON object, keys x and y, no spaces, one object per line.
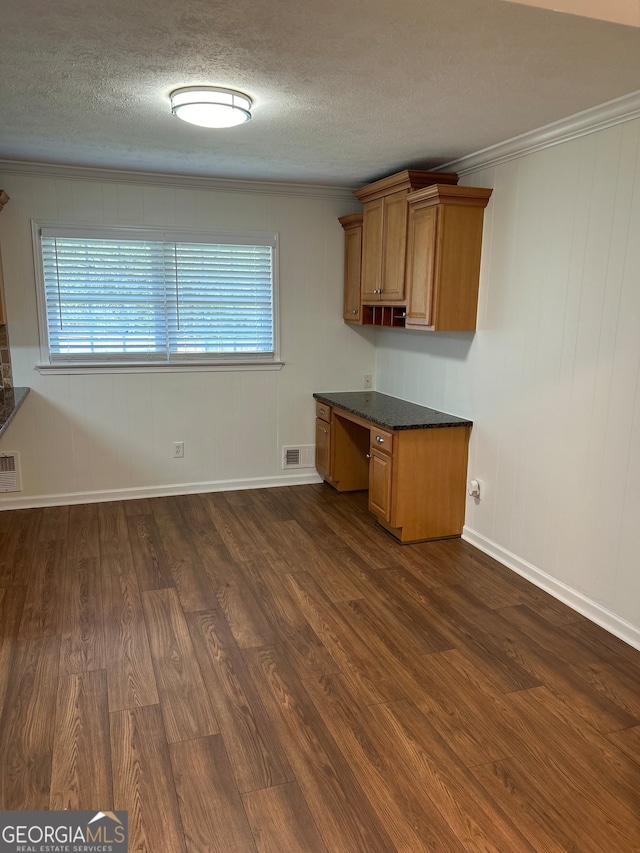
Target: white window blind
{"x":157,"y":297}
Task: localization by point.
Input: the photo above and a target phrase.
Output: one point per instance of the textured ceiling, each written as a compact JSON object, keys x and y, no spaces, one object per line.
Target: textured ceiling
{"x":344,"y":92}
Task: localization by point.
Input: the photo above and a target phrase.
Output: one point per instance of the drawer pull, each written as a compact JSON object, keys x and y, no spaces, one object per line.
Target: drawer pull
{"x":322,"y":411}
{"x":380,"y":439}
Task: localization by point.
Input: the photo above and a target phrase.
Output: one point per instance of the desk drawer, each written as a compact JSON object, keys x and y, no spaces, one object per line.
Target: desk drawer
{"x":382,"y":439}
{"x":323,"y":411}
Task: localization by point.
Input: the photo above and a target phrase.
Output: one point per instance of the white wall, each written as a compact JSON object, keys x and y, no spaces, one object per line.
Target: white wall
{"x":81,"y":436}
{"x":551,"y":378}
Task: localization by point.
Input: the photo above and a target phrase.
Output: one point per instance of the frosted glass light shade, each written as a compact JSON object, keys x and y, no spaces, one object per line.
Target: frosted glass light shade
{"x":210,"y":106}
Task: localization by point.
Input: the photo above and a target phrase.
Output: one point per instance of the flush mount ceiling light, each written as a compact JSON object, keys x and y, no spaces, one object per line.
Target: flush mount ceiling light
{"x":210,"y":106}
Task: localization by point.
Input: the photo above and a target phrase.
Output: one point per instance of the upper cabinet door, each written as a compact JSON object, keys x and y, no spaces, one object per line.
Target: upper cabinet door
{"x":352,"y":267}
{"x":421,"y":264}
{"x":372,"y":237}
{"x":394,"y":243}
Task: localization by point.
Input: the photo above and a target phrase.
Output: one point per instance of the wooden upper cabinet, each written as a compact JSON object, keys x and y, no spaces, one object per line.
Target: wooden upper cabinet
{"x":4,"y":198}
{"x":443,"y":257}
{"x":352,"y":225}
{"x":414,"y":261}
{"x":384,"y":232}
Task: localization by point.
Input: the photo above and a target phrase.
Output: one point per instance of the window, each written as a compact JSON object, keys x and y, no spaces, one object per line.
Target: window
{"x":130,"y":296}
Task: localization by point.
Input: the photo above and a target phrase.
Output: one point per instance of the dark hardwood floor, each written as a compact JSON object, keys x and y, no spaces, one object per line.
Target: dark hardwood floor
{"x":268,"y":671}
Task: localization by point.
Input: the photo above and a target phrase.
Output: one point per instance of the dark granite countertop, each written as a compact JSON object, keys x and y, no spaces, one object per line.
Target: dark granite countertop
{"x":389,"y":412}
{"x":10,"y":402}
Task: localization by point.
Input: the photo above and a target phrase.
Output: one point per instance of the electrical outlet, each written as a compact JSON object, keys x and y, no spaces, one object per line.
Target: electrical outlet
{"x":474,"y":489}
{"x":367,"y":380}
{"x":178,"y":449}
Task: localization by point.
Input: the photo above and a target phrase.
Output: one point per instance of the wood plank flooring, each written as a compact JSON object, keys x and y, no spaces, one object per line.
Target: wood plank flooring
{"x":268,"y":672}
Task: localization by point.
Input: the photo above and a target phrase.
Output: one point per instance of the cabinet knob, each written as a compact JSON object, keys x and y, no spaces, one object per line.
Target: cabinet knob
{"x":380,"y":439}
{"x":322,"y":411}
{"x":325,"y":431}
{"x":354,"y":311}
{"x":368,"y":455}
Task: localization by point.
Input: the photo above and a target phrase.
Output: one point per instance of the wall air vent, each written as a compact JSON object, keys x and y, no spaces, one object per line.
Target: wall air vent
{"x":10,"y":472}
{"x":299,"y":457}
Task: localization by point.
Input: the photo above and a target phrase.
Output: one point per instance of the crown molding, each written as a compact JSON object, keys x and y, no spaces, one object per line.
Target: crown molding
{"x":609,"y":114}
{"x":159,"y":179}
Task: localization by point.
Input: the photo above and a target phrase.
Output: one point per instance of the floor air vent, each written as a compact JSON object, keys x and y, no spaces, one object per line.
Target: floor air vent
{"x":299,"y":457}
{"x":10,"y":472}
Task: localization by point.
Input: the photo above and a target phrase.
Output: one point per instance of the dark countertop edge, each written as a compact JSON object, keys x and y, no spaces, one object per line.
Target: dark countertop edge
{"x":19,"y":395}
{"x":330,"y":399}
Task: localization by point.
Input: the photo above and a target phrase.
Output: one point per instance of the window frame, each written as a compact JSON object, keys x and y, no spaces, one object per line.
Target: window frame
{"x":220,"y":362}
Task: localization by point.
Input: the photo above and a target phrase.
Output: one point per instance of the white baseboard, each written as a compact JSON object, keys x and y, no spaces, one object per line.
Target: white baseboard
{"x":68,"y":498}
{"x":569,"y":596}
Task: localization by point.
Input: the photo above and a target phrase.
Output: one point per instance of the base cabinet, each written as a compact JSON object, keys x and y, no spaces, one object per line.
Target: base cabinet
{"x":428,"y":476}
{"x":324,"y":445}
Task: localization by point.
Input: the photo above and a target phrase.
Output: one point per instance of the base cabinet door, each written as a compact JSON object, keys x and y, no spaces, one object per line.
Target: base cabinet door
{"x":380,"y":466}
{"x":323,"y":448}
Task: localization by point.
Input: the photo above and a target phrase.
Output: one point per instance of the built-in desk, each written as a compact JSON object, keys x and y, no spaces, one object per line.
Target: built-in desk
{"x":412,"y":459}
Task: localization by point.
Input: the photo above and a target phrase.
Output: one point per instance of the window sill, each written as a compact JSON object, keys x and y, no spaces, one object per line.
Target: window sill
{"x":150,"y":367}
